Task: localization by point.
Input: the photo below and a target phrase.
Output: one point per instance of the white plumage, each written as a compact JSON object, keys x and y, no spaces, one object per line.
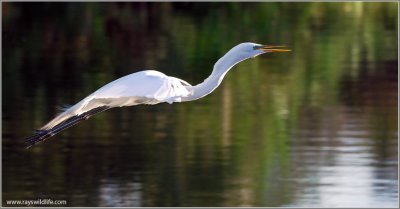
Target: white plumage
{"x":144,"y":87}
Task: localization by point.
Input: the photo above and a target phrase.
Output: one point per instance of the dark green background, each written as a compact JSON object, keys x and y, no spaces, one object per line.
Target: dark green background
{"x":313,"y":127}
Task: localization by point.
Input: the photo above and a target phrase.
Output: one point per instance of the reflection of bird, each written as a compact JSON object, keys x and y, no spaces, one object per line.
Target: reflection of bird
{"x":148,"y":87}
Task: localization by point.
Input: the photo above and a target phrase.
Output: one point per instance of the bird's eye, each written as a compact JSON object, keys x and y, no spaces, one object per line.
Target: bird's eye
{"x":255,"y":47}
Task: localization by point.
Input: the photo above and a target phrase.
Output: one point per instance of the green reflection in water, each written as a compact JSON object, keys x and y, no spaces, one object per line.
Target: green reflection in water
{"x":232,"y":148}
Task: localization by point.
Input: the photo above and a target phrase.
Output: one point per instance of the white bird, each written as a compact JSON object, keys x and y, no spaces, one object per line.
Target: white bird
{"x":148,"y":87}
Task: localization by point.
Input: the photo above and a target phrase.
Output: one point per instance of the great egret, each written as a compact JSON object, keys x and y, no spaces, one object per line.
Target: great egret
{"x":148,"y":87}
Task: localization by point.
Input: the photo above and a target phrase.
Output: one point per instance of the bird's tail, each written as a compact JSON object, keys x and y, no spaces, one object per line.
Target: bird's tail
{"x":43,"y":134}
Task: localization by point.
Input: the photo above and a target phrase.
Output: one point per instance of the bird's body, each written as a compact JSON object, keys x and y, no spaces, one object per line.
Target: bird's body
{"x":155,"y":87}
{"x":147,"y":87}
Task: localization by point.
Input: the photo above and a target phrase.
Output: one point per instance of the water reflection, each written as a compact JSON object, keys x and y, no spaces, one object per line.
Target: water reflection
{"x":347,"y":165}
{"x":317,"y":127}
{"x":112,"y":195}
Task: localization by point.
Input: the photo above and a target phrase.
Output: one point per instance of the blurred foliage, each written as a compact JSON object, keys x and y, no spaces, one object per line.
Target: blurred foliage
{"x":219,"y":151}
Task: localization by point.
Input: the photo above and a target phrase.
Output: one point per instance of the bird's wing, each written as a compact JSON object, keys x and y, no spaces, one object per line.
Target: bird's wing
{"x":43,"y":134}
{"x":144,"y":87}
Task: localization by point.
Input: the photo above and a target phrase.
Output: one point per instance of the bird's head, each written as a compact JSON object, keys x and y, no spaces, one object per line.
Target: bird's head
{"x":242,"y":52}
{"x":248,"y":50}
{"x":252,"y":49}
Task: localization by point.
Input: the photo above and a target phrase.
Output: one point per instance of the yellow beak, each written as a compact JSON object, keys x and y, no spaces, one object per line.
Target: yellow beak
{"x":267,"y":48}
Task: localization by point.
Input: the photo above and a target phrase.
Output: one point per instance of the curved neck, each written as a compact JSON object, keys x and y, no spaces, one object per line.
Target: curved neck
{"x":223,"y":65}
